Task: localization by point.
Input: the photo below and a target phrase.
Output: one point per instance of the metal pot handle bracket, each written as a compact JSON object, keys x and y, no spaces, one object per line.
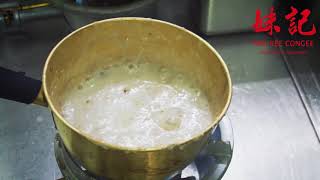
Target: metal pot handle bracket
{"x":219,"y":150}
{"x":215,"y":158}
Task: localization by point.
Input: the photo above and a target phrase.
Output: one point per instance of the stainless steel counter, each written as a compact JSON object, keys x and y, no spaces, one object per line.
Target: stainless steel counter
{"x":27,"y":131}
{"x":274,"y":138}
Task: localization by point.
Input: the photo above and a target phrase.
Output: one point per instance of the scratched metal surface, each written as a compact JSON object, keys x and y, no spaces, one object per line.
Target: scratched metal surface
{"x":274,"y":138}
{"x":305,"y":69}
{"x":27,"y":131}
{"x":306,"y":75}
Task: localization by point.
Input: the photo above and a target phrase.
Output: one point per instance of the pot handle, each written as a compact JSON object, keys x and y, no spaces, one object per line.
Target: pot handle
{"x":18,"y":87}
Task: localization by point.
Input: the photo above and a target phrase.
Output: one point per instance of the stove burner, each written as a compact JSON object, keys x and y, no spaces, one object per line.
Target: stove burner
{"x":210,"y":164}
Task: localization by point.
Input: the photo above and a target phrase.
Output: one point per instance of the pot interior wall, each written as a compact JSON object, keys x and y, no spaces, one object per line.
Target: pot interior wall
{"x":107,"y":42}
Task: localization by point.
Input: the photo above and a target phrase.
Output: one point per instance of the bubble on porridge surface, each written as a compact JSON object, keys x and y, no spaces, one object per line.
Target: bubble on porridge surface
{"x":80,"y":87}
{"x":102,"y":73}
{"x":178,"y":79}
{"x":164,"y":74}
{"x":137,"y":111}
{"x":168,"y":119}
{"x":131,"y":66}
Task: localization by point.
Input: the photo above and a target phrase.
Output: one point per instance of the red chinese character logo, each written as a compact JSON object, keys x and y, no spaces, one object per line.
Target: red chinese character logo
{"x":266,"y":26}
{"x":293,"y":27}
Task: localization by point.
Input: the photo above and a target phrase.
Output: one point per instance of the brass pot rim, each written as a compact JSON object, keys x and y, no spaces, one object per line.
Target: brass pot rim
{"x":130,"y":149}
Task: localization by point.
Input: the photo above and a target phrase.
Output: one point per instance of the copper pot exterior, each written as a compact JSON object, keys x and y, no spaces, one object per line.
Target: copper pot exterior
{"x":102,"y":43}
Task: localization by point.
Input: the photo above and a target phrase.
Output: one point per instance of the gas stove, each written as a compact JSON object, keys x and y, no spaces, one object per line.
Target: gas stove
{"x":274,"y":136}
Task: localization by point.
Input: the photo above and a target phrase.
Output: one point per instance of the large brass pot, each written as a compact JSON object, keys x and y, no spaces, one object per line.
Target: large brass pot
{"x":101,"y":43}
